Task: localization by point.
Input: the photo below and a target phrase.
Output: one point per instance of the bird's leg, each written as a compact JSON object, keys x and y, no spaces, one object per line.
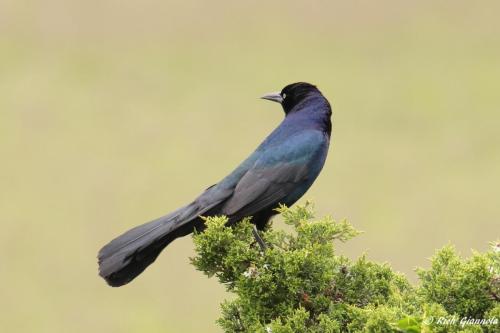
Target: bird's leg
{"x":259,"y":239}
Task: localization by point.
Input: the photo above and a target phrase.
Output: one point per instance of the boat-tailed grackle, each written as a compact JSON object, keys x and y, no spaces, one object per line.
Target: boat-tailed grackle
{"x":279,"y":171}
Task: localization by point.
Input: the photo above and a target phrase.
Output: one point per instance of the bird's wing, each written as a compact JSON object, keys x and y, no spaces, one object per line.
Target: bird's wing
{"x":276,"y":173}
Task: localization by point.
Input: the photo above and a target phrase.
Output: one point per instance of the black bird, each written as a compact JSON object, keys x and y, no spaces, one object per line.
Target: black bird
{"x":280,"y":171}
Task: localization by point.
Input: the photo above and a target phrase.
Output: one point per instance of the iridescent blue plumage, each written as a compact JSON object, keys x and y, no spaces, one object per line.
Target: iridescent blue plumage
{"x":280,"y":171}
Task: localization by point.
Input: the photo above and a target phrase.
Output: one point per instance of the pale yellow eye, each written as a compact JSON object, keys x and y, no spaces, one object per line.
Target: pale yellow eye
{"x":284,"y":95}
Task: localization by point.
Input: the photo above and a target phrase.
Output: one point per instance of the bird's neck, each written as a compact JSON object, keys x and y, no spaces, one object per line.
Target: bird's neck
{"x":312,"y":112}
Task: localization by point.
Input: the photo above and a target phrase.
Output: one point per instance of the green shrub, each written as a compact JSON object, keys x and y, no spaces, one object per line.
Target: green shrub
{"x":300,"y":284}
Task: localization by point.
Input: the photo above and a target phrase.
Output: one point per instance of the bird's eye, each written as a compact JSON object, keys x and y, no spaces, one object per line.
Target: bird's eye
{"x":283,"y":95}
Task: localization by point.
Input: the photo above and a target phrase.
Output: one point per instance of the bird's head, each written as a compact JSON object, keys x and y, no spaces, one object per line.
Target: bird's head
{"x":292,"y":95}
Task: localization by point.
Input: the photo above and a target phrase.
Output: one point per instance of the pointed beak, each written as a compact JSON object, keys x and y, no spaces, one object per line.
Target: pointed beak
{"x":275,"y":97}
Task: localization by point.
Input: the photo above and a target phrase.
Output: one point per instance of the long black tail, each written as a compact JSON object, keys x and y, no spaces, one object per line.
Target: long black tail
{"x":128,"y":255}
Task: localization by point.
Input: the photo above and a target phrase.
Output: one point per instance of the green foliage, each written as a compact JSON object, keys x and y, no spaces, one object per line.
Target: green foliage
{"x":300,"y":284}
{"x":463,"y":287}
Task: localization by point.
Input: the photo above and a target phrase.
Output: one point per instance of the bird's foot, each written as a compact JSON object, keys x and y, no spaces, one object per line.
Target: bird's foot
{"x":259,"y":239}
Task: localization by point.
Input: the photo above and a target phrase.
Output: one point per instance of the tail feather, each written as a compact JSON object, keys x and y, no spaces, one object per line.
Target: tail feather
{"x":128,"y":255}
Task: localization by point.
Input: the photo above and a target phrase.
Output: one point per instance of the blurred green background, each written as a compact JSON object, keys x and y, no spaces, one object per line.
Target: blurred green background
{"x":113,"y":113}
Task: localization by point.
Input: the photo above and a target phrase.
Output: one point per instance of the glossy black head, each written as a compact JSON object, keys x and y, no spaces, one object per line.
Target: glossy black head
{"x":292,"y":94}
